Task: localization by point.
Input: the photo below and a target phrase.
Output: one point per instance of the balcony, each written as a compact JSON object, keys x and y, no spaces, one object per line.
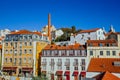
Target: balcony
{"x":59,"y":63}
{"x":75,"y":63}
{"x":44,"y":63}
{"x":67,"y":63}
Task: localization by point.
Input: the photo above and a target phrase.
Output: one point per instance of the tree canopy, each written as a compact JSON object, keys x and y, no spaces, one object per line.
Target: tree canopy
{"x":67,"y":33}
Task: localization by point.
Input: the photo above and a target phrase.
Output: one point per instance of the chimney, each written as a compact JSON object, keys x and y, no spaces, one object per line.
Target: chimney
{"x":49,"y":27}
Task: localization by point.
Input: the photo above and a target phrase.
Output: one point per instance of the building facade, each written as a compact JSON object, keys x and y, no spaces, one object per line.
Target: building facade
{"x":64,"y":62}
{"x":84,"y":35}
{"x":19,"y":56}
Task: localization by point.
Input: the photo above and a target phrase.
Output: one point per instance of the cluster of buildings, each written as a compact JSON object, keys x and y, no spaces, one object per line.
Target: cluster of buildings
{"x":89,"y":55}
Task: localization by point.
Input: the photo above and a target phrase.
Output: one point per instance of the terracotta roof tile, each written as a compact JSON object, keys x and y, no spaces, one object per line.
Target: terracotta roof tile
{"x":102,"y":41}
{"x":27,"y":32}
{"x":67,"y":47}
{"x":106,"y":76}
{"x":103,"y":64}
{"x":91,"y":30}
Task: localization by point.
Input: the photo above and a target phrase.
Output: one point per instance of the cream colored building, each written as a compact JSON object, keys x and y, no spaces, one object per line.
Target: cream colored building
{"x":20,"y":52}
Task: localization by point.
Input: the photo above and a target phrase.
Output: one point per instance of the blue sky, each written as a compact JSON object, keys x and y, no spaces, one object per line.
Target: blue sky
{"x":84,"y":14}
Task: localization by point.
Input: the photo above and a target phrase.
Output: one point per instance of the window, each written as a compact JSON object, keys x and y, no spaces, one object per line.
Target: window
{"x":91,"y":53}
{"x":20,"y":44}
{"x":24,"y":60}
{"x":52,"y":67}
{"x":10,"y":59}
{"x":6,"y":60}
{"x":25,"y":43}
{"x":83,"y":68}
{"x":30,"y":51}
{"x":20,"y":52}
{"x":108,"y":53}
{"x":101,"y":53}
{"x":15,"y":52}
{"x":82,"y":36}
{"x":20,"y":61}
{"x":25,"y":37}
{"x":21,"y":37}
{"x":114,"y":53}
{"x":90,"y":44}
{"x":100,"y":44}
{"x":67,"y":68}
{"x":78,"y":53}
{"x":29,"y":60}
{"x":6,"y":51}
{"x":88,"y":38}
{"x":11,"y":51}
{"x":56,"y":52}
{"x":15,"y":60}
{"x":44,"y":67}
{"x":25,"y":51}
{"x":11,"y":44}
{"x":83,"y":62}
{"x":71,"y":53}
{"x":107,"y":44}
{"x":76,"y":68}
{"x":15,"y":45}
{"x":113,"y":44}
{"x":30,"y":44}
{"x":6,"y":44}
{"x":75,"y":63}
{"x":30,"y":37}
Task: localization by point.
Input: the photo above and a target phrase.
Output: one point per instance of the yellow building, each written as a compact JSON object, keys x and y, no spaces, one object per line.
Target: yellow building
{"x":21,"y":52}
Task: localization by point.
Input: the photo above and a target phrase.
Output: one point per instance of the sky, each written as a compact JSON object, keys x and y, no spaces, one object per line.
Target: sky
{"x":84,"y":14}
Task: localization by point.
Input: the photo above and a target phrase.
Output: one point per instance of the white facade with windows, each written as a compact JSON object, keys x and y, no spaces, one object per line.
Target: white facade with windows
{"x":84,"y":35}
{"x":63,"y":60}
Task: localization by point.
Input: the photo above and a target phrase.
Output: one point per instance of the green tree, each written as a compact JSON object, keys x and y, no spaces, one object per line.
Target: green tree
{"x":73,"y":29}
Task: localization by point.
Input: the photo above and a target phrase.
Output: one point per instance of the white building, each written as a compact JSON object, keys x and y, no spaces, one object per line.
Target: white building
{"x":56,"y":33}
{"x":84,"y":35}
{"x":4,"y":32}
{"x":64,"y":62}
{"x":45,"y":29}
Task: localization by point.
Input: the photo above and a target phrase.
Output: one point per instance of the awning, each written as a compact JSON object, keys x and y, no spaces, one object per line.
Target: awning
{"x":75,"y":73}
{"x":44,"y":72}
{"x":83,"y":74}
{"x":27,"y":69}
{"x":9,"y":68}
{"x":67,"y":73}
{"x":59,"y":73}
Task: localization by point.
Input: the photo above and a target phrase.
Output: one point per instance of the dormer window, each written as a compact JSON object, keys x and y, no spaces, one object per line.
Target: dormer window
{"x":100,"y":44}
{"x":90,"y":44}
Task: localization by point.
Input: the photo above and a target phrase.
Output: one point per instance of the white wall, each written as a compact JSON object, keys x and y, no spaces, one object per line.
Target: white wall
{"x":92,"y":35}
{"x":48,"y":67}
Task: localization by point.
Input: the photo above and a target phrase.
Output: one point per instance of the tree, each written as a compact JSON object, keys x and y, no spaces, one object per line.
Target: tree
{"x":73,"y":29}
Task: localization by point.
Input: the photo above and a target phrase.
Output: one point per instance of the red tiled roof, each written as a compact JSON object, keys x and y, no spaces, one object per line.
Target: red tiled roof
{"x":60,"y":47}
{"x":0,"y":46}
{"x":106,"y":76}
{"x":27,"y":32}
{"x":103,"y":64}
{"x":102,"y":41}
{"x":21,"y":32}
{"x":91,"y":30}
